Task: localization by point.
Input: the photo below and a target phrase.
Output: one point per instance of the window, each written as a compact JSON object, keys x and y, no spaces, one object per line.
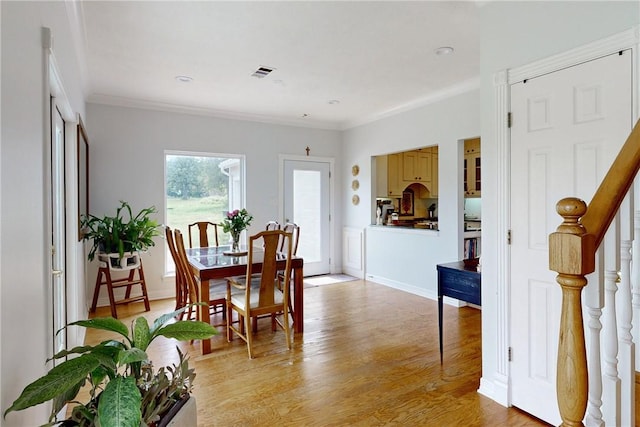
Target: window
{"x":201,"y":187}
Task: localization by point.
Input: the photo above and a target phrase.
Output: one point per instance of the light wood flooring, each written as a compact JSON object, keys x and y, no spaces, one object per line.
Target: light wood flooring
{"x":368,"y":357}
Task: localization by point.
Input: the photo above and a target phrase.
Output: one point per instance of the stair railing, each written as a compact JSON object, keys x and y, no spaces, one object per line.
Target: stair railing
{"x":572,"y":254}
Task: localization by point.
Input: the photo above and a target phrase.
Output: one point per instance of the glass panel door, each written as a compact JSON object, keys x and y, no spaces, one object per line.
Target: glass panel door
{"x":306,"y":202}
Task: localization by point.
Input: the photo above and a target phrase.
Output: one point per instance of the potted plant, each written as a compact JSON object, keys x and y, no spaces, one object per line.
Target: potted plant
{"x":119,"y":234}
{"x":124,"y":390}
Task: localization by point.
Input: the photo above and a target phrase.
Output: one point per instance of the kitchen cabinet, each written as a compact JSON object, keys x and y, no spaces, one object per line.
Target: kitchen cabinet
{"x":472,"y":168}
{"x":382,"y":173}
{"x":416,"y":166}
{"x":394,"y":175}
{"x":433,"y":188}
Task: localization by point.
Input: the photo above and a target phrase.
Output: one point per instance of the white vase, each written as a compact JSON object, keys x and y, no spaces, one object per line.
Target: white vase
{"x":129,"y":261}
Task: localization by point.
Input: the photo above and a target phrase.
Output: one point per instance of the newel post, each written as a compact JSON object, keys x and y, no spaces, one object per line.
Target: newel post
{"x":572,"y":256}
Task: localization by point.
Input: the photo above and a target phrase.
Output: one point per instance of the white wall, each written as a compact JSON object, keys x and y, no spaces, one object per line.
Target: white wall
{"x":514,"y":34}
{"x":25,"y":328}
{"x":444,"y":123}
{"x":127,"y":163}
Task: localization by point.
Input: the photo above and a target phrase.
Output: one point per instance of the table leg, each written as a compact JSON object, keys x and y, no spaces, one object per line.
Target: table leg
{"x":298,"y":314}
{"x":440,"y":323}
{"x":204,"y":313}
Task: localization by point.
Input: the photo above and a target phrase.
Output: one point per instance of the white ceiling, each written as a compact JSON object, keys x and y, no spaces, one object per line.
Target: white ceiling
{"x":375,"y":58}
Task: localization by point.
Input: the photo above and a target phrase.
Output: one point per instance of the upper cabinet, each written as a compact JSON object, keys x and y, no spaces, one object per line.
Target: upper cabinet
{"x":394,"y":175}
{"x":404,"y":169}
{"x":416,"y":166}
{"x":472,"y":168}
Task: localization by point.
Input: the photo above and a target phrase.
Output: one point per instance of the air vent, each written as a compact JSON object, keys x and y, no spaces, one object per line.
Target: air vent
{"x":262,"y":72}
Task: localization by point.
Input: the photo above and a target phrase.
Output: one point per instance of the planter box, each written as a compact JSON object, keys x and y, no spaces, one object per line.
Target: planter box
{"x":184,"y":414}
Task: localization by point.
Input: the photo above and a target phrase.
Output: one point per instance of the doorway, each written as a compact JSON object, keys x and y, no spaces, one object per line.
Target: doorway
{"x":58,"y":230}
{"x":306,"y":201}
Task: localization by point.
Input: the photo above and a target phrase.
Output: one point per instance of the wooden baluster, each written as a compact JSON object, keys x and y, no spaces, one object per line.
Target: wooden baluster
{"x":610,"y":380}
{"x":572,"y":255}
{"x":635,"y":282}
{"x":626,"y":347}
{"x":625,"y":340}
{"x":594,"y":301}
{"x":594,"y":414}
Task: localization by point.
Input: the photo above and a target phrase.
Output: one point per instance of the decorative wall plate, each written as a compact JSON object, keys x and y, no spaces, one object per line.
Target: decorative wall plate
{"x":355,"y":184}
{"x":355,"y":170}
{"x":355,"y":199}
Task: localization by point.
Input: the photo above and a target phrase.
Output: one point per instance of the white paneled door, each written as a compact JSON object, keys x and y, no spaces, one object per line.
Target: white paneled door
{"x":306,"y":201}
{"x":567,"y":127}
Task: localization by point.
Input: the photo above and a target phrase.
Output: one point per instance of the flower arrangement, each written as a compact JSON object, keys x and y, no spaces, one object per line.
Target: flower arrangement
{"x":236,"y":221}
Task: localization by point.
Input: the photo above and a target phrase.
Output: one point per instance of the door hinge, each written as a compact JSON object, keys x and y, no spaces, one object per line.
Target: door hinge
{"x":508,"y":237}
{"x":510,"y":354}
{"x":509,"y":119}
{"x":329,"y":174}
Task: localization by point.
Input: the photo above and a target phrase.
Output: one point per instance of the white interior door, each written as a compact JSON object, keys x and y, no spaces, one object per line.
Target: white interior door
{"x":306,"y":202}
{"x":58,"y":230}
{"x":568,"y":126}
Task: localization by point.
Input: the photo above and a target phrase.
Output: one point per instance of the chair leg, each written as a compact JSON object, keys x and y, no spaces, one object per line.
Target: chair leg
{"x":249,"y":335}
{"x":229,"y":331}
{"x":287,"y":328}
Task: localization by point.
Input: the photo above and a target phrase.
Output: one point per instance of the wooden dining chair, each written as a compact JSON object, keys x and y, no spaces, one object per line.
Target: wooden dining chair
{"x":272,"y":225}
{"x":181,"y":290}
{"x":185,"y":277}
{"x":217,"y":289}
{"x":260,"y":293}
{"x":294,"y":229}
{"x":204,"y":228}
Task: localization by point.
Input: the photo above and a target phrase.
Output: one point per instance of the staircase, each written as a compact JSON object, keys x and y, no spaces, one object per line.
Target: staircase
{"x":592,"y":251}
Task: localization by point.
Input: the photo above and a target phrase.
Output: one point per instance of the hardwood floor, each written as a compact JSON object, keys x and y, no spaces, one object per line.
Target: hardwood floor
{"x":368,"y":357}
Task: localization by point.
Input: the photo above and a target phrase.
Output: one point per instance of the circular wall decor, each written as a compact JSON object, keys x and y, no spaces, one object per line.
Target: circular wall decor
{"x":355,"y":184}
{"x":355,"y":170}
{"x":355,"y":199}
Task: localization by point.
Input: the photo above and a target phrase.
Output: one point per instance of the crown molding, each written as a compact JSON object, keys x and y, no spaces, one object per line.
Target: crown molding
{"x":458,"y":89}
{"x":119,"y":101}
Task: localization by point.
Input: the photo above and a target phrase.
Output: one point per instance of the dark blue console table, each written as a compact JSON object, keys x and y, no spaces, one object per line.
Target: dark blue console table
{"x":459,"y":281}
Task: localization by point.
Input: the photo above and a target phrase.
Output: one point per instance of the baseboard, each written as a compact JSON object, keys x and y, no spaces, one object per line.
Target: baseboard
{"x":353,"y":272}
{"x":496,"y":391}
{"x":416,"y":291}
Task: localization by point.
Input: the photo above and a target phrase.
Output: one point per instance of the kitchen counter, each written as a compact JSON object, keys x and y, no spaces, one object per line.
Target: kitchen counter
{"x":403,"y":227}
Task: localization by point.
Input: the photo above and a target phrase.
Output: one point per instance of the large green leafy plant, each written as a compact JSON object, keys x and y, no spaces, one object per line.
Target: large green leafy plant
{"x":124,"y":390}
{"x":120,"y":233}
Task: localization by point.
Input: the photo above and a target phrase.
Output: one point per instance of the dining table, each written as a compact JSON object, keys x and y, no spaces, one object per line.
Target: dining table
{"x":216,"y":262}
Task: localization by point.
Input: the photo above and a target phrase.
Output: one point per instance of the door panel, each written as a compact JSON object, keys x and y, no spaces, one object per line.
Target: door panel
{"x":568,"y":126}
{"x":306,"y":202}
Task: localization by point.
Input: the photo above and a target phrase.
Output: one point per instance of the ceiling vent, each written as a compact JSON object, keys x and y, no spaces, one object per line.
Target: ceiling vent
{"x":262,"y":72}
